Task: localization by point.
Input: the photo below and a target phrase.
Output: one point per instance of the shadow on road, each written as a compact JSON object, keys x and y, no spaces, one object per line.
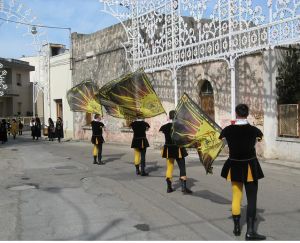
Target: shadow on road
{"x":112,"y":157}
{"x":153,"y":166}
{"x":215,"y":198}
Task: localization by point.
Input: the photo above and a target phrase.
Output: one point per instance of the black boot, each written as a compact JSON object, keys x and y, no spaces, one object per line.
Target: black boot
{"x":251,"y":234}
{"x":184,"y":189}
{"x":237,"y":227}
{"x":100,"y":162}
{"x":95,"y":160}
{"x":143,"y":172}
{"x":137,"y":169}
{"x":169,"y":184}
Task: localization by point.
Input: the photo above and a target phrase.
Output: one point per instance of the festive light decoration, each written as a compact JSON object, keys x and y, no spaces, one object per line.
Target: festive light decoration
{"x":16,"y":12}
{"x":3,"y":73}
{"x":169,"y":34}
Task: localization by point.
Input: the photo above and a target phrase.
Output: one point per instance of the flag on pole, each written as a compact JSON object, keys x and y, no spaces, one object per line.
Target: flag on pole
{"x":82,"y":98}
{"x":194,"y":129}
{"x":130,"y":96}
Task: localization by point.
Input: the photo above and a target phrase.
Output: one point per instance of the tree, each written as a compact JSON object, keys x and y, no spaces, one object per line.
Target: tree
{"x":288,"y":79}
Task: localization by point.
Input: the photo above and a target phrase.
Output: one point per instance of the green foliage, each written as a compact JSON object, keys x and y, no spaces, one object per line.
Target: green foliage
{"x":288,"y":79}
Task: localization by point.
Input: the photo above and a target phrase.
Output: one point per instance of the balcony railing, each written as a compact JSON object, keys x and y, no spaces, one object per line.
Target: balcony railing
{"x":12,"y":90}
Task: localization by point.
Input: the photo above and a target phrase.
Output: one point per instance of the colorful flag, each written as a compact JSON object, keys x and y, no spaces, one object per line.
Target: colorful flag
{"x":130,"y":96}
{"x":104,"y":99}
{"x":116,"y":110}
{"x":82,"y":98}
{"x":194,"y":129}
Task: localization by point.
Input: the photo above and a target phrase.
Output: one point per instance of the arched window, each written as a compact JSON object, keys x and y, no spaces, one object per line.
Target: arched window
{"x":206,"y":88}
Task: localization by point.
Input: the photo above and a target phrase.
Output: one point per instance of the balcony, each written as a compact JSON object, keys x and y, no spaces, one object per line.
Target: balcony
{"x":12,"y":90}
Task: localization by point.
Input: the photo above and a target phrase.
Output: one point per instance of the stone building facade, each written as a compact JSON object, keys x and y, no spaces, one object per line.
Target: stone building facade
{"x":100,"y":57}
{"x":17,"y":99}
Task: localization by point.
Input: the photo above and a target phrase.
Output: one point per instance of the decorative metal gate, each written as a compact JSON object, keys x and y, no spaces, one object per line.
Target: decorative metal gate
{"x":170,"y":34}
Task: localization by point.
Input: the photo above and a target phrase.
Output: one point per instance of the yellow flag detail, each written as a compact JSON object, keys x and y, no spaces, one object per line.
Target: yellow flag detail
{"x":130,"y":96}
{"x":82,"y":98}
{"x":194,"y":129}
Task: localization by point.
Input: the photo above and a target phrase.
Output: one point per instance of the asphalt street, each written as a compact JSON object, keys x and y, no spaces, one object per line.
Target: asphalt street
{"x":53,"y":191}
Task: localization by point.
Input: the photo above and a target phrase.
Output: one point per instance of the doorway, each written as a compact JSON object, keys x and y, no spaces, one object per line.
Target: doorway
{"x":206,"y":99}
{"x":59,"y":108}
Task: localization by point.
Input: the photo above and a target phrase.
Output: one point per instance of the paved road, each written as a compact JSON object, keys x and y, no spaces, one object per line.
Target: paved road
{"x":52,"y":191}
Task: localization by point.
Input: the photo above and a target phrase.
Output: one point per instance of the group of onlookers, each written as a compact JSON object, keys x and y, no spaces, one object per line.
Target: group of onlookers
{"x":35,"y":127}
{"x":55,"y":131}
{"x":6,"y":128}
{"x":15,"y":127}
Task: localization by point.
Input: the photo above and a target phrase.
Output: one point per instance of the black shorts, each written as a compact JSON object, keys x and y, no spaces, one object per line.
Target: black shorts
{"x":239,"y":169}
{"x":173,"y":152}
{"x":97,"y":139}
{"x":139,"y":143}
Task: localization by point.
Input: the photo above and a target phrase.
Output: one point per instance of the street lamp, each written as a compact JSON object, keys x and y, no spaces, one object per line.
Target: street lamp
{"x":33,"y":30}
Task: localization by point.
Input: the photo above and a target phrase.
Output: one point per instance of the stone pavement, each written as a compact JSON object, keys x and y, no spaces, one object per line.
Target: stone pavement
{"x":52,"y":191}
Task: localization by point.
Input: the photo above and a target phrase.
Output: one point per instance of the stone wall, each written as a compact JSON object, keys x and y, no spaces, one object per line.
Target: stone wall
{"x":101,"y":58}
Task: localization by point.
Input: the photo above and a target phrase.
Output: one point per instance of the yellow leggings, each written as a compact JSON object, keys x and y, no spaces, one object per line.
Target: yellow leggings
{"x":237,"y":195}
{"x":170,"y":168}
{"x":237,"y":192}
{"x":95,"y":150}
{"x":137,"y":156}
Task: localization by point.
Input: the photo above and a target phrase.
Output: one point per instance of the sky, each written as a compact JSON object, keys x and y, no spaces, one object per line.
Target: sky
{"x":82,"y":16}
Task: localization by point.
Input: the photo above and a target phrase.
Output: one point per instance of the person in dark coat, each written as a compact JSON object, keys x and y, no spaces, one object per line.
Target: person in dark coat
{"x":59,"y":129}
{"x":139,"y":144}
{"x":32,"y":128}
{"x":243,"y":168}
{"x":37,"y":128}
{"x":97,"y":139}
{"x":8,"y":127}
{"x":173,"y":152}
{"x":51,"y":129}
{"x":20,"y":127}
{"x":3,"y":131}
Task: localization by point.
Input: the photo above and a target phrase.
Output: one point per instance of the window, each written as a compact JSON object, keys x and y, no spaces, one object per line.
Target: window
{"x":206,"y":88}
{"x":288,"y":94}
{"x":288,"y":120}
{"x":88,"y":119}
{"x":19,"y":79}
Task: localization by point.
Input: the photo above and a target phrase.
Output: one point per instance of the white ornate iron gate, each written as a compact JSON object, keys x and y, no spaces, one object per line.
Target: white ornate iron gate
{"x":170,"y":34}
